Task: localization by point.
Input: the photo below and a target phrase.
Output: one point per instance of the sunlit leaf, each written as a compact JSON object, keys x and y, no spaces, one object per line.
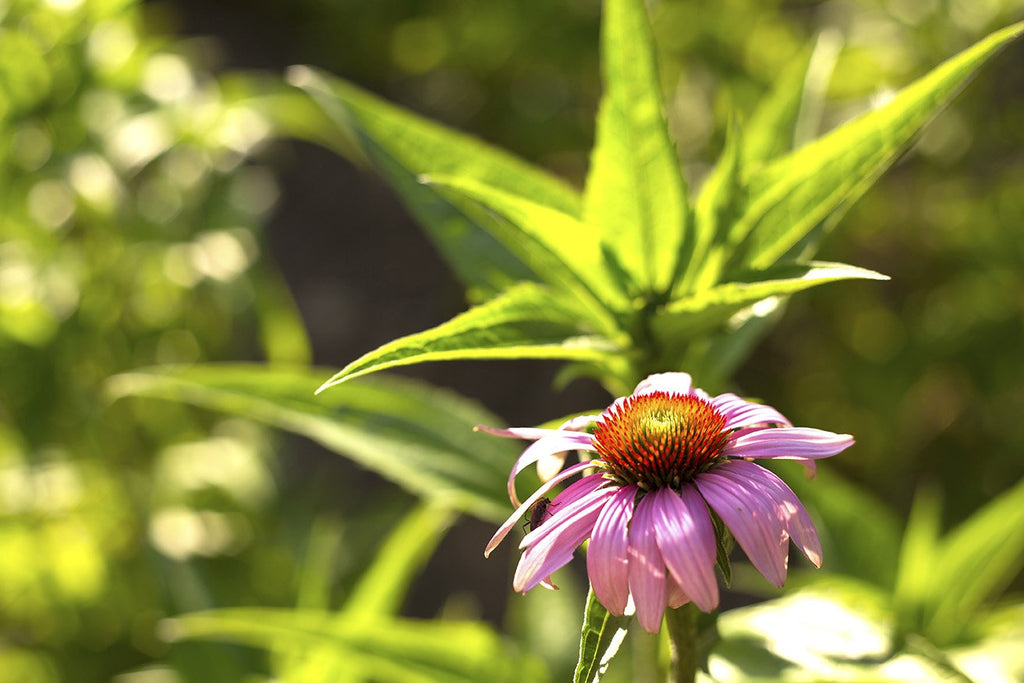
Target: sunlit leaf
{"x":975,"y":561}
{"x":715,"y":210}
{"x":379,"y":592}
{"x":282,"y":333}
{"x":559,"y":248}
{"x":382,"y":587}
{"x":769,"y":130}
{"x":401,"y":146}
{"x":821,"y":630}
{"x":525,"y":322}
{"x":600,"y":637}
{"x":797,"y":192}
{"x":394,"y":649}
{"x":704,"y":310}
{"x":417,"y":436}
{"x":917,"y":559}
{"x":635,"y":194}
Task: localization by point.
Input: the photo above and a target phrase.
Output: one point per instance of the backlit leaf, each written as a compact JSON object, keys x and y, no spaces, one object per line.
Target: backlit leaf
{"x":415,"y":435}
{"x":525,"y":322}
{"x":792,"y":195}
{"x":635,"y":193}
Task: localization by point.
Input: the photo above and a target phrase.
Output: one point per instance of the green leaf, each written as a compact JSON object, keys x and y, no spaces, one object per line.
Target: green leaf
{"x":417,"y":436}
{"x":635,"y":193}
{"x":559,"y":248}
{"x":769,"y":131}
{"x":714,"y":213}
{"x":600,"y":638}
{"x":794,"y":194}
{"x":705,"y":310}
{"x":282,"y":334}
{"x":917,"y":559}
{"x":525,"y":322}
{"x":401,"y":146}
{"x":379,"y":592}
{"x":394,"y":649}
{"x":975,"y":562}
{"x":828,"y":630}
{"x":382,"y":587}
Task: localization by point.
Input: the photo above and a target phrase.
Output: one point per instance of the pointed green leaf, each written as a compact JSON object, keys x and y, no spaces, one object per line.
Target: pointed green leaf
{"x":379,"y":592}
{"x":794,"y":194}
{"x":704,"y":310}
{"x":401,"y":146}
{"x":600,"y":637}
{"x":635,"y":193}
{"x":975,"y":561}
{"x":769,"y":131}
{"x":382,"y":587}
{"x":394,"y":649}
{"x":525,"y":322}
{"x":282,"y":334}
{"x":915,"y":573}
{"x":714,"y":213}
{"x":559,"y":248}
{"x":417,"y":436}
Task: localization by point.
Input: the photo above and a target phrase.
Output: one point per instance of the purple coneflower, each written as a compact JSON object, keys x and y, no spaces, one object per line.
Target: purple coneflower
{"x":664,"y":455}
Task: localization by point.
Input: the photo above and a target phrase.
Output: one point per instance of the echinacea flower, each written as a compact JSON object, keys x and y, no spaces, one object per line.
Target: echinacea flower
{"x":665,"y":454}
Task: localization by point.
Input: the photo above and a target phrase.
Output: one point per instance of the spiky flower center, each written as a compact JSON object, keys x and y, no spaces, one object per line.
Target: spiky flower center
{"x":660,"y":440}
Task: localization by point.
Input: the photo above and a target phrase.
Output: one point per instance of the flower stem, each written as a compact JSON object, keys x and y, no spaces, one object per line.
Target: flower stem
{"x":682,"y":635}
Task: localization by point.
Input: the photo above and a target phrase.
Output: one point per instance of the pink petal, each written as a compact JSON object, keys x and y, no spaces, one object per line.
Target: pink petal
{"x":739,"y":413}
{"x":565,"y":532}
{"x":787,"y":443}
{"x":669,"y":382}
{"x":608,"y":553}
{"x":550,"y":465}
{"x":559,"y":442}
{"x":753,"y":521}
{"x":646,"y":567}
{"x":503,"y":530}
{"x":686,"y":538}
{"x":790,"y":509}
{"x":578,"y":423}
{"x":566,"y":503}
{"x":675,"y":596}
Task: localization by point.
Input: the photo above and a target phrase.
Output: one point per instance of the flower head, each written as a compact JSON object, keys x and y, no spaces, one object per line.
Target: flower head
{"x":664,"y":456}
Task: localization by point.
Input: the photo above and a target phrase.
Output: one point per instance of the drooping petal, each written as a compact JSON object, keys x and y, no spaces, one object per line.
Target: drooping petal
{"x":550,"y":465}
{"x":564,"y":533}
{"x":686,"y":538}
{"x":791,"y":510}
{"x":503,"y":530}
{"x":646,"y":567}
{"x":549,"y":445}
{"x":608,"y":553}
{"x":669,"y":382}
{"x":740,"y":413}
{"x":578,"y":423}
{"x":786,"y":443}
{"x":753,"y":521}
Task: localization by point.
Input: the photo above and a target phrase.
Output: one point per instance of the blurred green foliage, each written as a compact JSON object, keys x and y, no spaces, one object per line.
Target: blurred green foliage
{"x":130,"y":219}
{"x":129,"y":233}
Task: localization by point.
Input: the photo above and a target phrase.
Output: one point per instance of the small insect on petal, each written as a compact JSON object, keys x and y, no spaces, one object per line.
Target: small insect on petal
{"x":538,"y":513}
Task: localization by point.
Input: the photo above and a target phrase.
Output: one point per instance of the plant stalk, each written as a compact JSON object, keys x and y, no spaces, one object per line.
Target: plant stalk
{"x":682,"y":636}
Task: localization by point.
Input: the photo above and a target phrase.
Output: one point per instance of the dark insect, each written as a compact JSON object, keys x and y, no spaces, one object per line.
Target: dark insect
{"x":538,"y":513}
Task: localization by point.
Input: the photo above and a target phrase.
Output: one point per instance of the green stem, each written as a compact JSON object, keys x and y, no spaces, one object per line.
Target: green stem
{"x":682,"y":635}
